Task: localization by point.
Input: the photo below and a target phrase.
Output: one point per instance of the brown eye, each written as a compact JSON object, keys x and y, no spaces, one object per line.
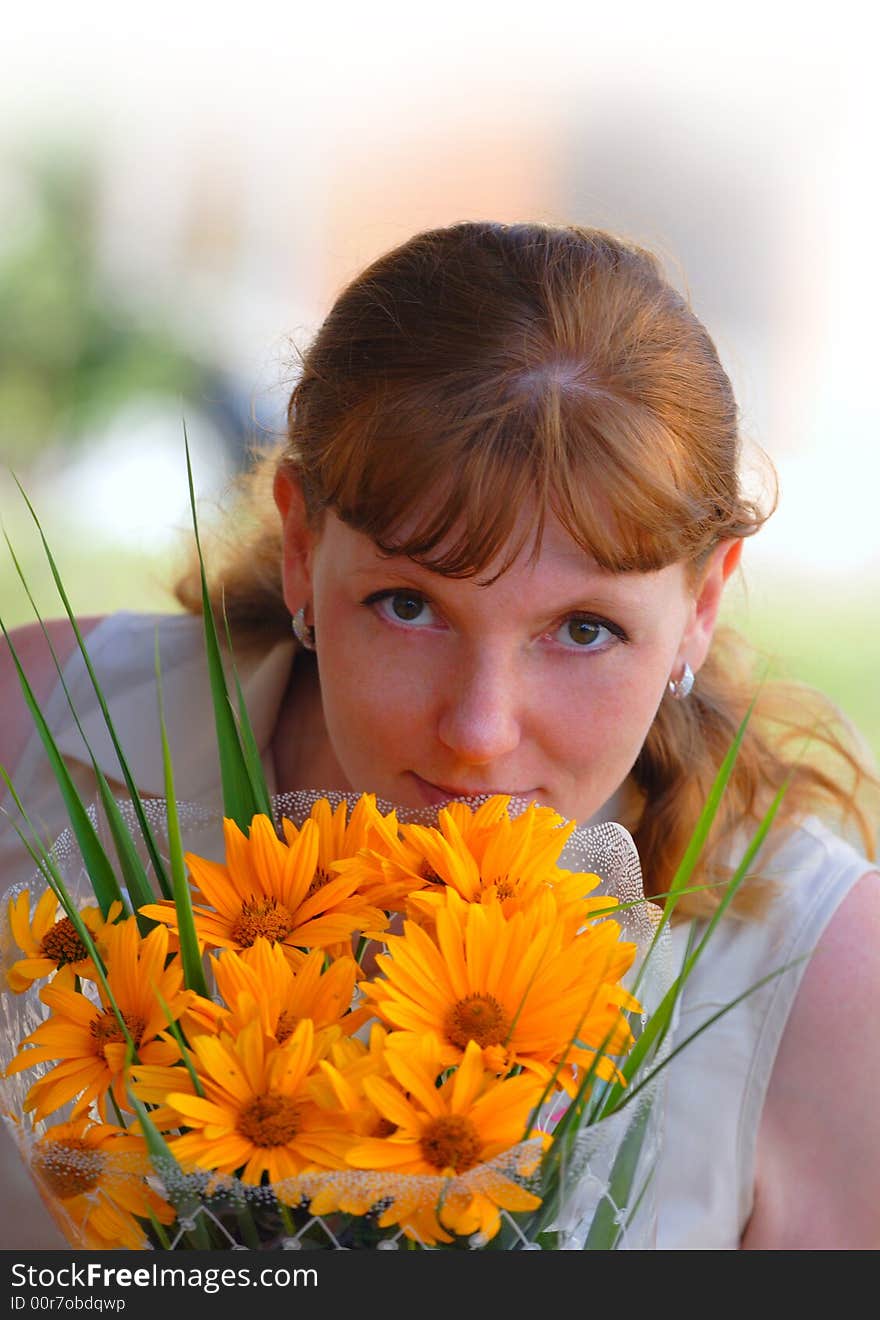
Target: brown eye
{"x":402,"y":606}
{"x":587,"y":635}
{"x":407,"y":606}
{"x":583,"y":631}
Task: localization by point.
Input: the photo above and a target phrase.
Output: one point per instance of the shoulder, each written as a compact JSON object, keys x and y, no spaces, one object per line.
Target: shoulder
{"x":33,"y":648}
{"x":818,"y":1157}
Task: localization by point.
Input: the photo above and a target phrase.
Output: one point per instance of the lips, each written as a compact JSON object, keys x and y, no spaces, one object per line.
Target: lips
{"x":435,"y":794}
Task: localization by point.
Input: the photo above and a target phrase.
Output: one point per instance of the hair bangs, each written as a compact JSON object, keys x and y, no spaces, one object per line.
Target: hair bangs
{"x":436,"y":476}
{"x":447,"y":482}
{"x":623,"y":488}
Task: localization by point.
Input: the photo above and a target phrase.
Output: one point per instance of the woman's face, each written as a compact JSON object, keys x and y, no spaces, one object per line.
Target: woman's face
{"x":543,"y":684}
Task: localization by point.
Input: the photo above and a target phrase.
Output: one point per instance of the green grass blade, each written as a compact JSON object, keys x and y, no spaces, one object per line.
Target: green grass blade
{"x":159,"y":1230}
{"x":41,"y":855}
{"x":778,"y":971}
{"x":185,"y":1202}
{"x":249,"y":746}
{"x":134,"y":872}
{"x":661,"y":1019}
{"x":47,"y":867}
{"x":605,"y":1229}
{"x":55,"y":881}
{"x":194,"y":972}
{"x":239,"y":801}
{"x":710,"y":810}
{"x":697,"y":841}
{"x":738,"y":876}
{"x":42,"y":858}
{"x":100,"y":871}
{"x":143,"y":824}
{"x":185,"y":1052}
{"x":565,"y":1132}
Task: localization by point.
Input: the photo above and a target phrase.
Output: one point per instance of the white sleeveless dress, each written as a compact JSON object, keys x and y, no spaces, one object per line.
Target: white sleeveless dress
{"x":716,"y":1087}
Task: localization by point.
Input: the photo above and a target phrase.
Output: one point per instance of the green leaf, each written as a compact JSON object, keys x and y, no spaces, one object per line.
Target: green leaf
{"x":606,"y":1229}
{"x":248,"y":741}
{"x":771,"y":976}
{"x":55,"y":881}
{"x":698,"y":838}
{"x":177,"y":1190}
{"x":45,"y":864}
{"x":739,"y":875}
{"x":134,"y":872}
{"x":240,"y":802}
{"x":97,"y":863}
{"x":144,"y":825}
{"x":193,"y":971}
{"x":660,"y":1021}
{"x":185,"y":1052}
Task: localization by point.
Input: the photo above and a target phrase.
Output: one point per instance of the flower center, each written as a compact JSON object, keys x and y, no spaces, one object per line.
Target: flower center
{"x":451,"y":1142}
{"x":477,"y":1017}
{"x":286,"y":1026}
{"x":261,"y":916}
{"x":62,"y":944}
{"x":504,"y":887}
{"x":69,"y":1167}
{"x":319,"y":880}
{"x":105,"y":1029}
{"x":270,"y":1120}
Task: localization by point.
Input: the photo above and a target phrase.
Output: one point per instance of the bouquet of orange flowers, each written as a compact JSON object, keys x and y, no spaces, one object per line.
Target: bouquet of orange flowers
{"x":313,"y":1022}
{"x":290,"y":1086}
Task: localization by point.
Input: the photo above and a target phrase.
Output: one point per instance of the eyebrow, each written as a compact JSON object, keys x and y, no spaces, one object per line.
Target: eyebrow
{"x":602,"y":594}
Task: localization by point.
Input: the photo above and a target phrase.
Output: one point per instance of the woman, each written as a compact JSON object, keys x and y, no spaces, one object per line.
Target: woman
{"x":509,"y":505}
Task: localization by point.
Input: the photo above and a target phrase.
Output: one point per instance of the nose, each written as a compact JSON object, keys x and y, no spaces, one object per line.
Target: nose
{"x":480,"y":717}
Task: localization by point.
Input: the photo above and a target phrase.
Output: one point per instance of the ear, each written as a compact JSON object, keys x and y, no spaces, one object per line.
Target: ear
{"x":697,"y":638}
{"x":299,"y":539}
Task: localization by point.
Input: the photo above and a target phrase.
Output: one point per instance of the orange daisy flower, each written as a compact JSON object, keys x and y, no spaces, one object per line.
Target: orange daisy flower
{"x":50,"y":943}
{"x":339,"y":1087}
{"x":442,"y":1133}
{"x":486,"y":856}
{"x":342,"y":836}
{"x":260,"y":981}
{"x":87,"y":1037}
{"x":527,"y":991}
{"x":255,"y":1115}
{"x":95,"y":1174}
{"x":267,"y":887}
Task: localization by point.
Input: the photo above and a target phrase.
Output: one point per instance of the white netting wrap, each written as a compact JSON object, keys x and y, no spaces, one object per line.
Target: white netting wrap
{"x":211,"y":1210}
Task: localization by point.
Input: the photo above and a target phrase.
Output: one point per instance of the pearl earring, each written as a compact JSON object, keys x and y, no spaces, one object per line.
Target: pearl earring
{"x":305,"y":633}
{"x":680,"y":688}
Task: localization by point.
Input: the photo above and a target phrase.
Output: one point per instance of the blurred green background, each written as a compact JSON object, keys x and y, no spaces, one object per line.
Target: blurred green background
{"x":819,"y":634}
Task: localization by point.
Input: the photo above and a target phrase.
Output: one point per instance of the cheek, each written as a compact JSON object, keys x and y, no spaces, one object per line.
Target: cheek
{"x":372,"y":708}
{"x":633,"y":703}
{"x":600,"y":723}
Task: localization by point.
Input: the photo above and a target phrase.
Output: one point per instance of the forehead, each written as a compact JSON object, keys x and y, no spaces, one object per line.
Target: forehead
{"x":554,"y":570}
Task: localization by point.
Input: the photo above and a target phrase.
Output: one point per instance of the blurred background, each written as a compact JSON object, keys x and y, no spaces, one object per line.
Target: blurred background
{"x":184,"y":189}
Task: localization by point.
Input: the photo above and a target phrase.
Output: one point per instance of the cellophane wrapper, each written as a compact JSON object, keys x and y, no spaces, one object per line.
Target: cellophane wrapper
{"x":221,"y":1211}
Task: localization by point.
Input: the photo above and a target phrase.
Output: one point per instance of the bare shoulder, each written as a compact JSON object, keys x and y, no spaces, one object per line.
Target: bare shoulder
{"x":819,"y":1139}
{"x":34,"y":654}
